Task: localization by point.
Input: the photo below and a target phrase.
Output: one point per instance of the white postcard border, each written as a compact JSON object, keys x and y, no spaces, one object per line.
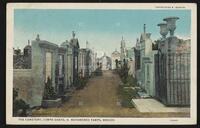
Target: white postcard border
{"x":114,"y":121}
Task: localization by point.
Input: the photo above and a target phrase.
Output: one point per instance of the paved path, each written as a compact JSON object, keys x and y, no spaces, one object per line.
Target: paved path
{"x":152,"y":105}
{"x":98,"y":98}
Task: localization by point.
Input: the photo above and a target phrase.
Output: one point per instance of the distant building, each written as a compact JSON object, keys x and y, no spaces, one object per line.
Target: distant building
{"x":105,"y":62}
{"x":115,"y":57}
{"x":87,"y":61}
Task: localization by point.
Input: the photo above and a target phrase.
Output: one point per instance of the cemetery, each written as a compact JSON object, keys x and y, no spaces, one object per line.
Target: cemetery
{"x":52,"y":74}
{"x":152,"y":74}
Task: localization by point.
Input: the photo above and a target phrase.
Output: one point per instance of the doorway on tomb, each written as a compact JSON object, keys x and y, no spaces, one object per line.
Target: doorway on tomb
{"x":61,"y":75}
{"x":48,"y":66}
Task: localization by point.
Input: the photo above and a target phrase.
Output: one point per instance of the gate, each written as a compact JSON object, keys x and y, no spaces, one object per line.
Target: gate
{"x":160,"y":77}
{"x":172,"y":78}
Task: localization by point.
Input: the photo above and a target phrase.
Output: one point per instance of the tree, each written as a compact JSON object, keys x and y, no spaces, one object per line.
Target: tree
{"x":123,"y":72}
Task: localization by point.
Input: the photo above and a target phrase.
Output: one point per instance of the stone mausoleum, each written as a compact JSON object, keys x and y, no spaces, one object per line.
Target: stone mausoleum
{"x":145,"y":63}
{"x":172,"y":66}
{"x":48,"y":60}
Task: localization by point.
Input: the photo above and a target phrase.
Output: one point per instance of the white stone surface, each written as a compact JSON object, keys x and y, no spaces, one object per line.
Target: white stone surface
{"x":152,"y":105}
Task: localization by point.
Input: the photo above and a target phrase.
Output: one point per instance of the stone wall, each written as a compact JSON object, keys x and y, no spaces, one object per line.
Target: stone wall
{"x":23,"y":80}
{"x":39,"y":49}
{"x":173,"y":71}
{"x":45,"y":57}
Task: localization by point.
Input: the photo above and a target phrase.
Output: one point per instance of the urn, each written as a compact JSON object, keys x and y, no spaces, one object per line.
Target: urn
{"x":171,"y":24}
{"x":163,"y":29}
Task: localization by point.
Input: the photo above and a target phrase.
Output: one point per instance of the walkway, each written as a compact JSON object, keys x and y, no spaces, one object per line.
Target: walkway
{"x":98,"y":99}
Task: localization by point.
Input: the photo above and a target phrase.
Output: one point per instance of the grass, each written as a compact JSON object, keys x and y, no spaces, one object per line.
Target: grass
{"x":127,"y":94}
{"x":126,"y":99}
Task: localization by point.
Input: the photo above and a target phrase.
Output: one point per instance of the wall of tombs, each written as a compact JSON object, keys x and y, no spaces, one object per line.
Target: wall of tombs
{"x":31,"y":82}
{"x":23,"y":81}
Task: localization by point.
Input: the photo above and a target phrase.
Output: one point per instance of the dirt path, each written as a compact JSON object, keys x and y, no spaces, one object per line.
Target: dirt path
{"x":98,"y":98}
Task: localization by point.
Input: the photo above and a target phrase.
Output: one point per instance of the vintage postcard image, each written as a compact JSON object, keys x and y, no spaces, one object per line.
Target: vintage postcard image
{"x":93,"y":63}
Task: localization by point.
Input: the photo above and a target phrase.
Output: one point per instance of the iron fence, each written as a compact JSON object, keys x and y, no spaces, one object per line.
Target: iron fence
{"x":172,"y":78}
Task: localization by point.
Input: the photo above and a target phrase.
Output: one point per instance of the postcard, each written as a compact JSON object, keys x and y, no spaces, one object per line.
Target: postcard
{"x":101,"y":63}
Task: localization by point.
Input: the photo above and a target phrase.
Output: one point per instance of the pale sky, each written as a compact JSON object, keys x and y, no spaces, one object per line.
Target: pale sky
{"x":103,"y":29}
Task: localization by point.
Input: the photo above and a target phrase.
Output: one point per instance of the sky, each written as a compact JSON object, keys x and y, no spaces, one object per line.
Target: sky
{"x":103,"y":29}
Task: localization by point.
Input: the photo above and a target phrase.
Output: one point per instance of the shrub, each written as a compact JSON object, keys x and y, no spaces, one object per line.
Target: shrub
{"x":19,"y":104}
{"x":123,"y":72}
{"x":81,"y":82}
{"x":126,"y":96}
{"x":130,"y":81}
{"x":49,"y":92}
{"x":98,"y":72}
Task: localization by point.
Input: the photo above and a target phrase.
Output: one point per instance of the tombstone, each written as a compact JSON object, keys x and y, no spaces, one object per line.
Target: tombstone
{"x":44,"y":56}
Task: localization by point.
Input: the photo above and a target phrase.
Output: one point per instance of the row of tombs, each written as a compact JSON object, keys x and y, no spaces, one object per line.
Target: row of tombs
{"x":44,"y":63}
{"x":162,"y":69}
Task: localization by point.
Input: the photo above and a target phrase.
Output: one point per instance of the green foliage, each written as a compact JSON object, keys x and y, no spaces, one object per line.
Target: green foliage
{"x":19,"y":104}
{"x":98,"y":72}
{"x":127,"y":79}
{"x":130,"y":81}
{"x":49,"y":92}
{"x":126,"y":95}
{"x":81,"y":82}
{"x":123,"y":72}
{"x":125,"y":91}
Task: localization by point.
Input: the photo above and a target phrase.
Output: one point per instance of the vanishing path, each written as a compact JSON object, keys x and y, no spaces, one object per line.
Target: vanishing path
{"x":98,"y":98}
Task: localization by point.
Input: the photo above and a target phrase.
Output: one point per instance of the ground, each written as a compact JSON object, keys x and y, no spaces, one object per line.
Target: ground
{"x":99,"y":99}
